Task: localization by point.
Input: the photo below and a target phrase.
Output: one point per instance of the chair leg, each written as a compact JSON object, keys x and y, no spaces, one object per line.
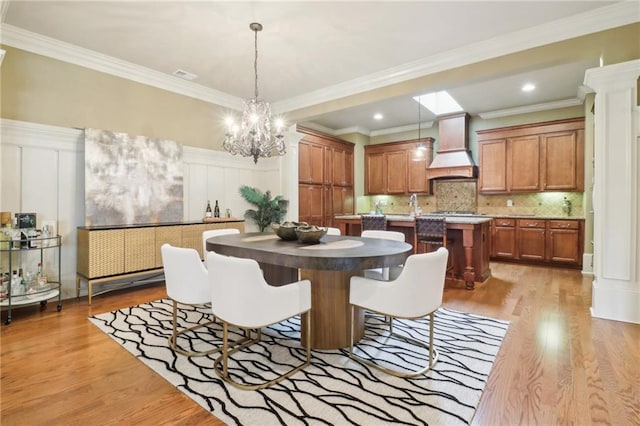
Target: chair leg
{"x":433,"y":352}
{"x":174,"y":335}
{"x":223,"y":370}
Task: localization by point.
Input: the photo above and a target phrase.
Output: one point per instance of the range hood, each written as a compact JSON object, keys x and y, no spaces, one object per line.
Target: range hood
{"x":452,"y":160}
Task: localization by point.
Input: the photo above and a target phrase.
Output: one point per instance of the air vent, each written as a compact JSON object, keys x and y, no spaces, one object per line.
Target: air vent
{"x":185,"y":74}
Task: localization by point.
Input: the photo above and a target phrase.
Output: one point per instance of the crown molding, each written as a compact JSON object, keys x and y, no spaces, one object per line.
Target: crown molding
{"x":407,"y":128}
{"x":616,"y":15}
{"x":616,"y":73}
{"x":59,"y":50}
{"x":352,"y":129}
{"x":318,"y":127}
{"x":35,"y":135}
{"x":583,"y":91}
{"x":601,"y":19}
{"x":531,"y":108}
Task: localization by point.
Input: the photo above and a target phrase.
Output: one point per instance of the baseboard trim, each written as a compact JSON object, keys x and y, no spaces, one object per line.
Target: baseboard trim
{"x":615,"y":302}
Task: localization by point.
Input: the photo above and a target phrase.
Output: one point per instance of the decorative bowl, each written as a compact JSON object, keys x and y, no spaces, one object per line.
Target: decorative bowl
{"x":287,"y":231}
{"x":310,"y":234}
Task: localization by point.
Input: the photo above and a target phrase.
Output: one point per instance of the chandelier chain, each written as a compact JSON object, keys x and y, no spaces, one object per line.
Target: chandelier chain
{"x":255,"y":60}
{"x":256,"y":135}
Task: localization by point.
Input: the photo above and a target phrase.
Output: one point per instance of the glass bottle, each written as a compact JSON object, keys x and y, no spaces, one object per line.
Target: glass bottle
{"x":216,"y":210}
{"x":207,"y":212}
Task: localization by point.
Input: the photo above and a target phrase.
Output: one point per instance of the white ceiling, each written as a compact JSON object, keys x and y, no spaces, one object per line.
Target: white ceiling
{"x":310,"y":52}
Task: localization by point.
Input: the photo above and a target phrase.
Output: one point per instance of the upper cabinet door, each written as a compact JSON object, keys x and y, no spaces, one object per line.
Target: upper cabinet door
{"x":310,"y":163}
{"x":396,"y":172}
{"x":375,"y":173}
{"x":563,"y":161}
{"x":493,"y":166}
{"x":524,"y":160}
{"x":348,"y":168}
{"x":329,"y":171}
{"x":339,"y":167}
{"x":417,"y":175}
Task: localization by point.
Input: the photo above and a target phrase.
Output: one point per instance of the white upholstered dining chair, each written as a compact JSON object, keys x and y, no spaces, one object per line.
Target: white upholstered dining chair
{"x":214,"y":233}
{"x":187,"y":283}
{"x":417,"y":292}
{"x":241,"y":297}
{"x":385,"y":273}
{"x":333,"y":231}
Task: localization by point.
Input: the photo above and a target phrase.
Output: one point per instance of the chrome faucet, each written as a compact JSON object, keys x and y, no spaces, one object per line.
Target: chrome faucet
{"x":413,"y":202}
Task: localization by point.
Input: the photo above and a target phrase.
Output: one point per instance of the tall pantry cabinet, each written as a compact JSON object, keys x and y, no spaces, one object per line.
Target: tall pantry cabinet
{"x":325,"y":178}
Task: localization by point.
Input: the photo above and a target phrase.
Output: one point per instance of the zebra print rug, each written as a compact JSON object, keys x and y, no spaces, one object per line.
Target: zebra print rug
{"x":333,"y":390}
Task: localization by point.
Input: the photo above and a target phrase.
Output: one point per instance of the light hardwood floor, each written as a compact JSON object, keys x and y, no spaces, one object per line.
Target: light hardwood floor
{"x":557,"y":365}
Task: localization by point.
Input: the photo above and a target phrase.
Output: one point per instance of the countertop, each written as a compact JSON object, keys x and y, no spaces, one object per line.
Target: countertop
{"x":480,"y":218}
{"x":406,"y":218}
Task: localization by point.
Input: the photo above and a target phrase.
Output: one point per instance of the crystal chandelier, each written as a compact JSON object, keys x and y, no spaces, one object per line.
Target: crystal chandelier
{"x":256,"y":135}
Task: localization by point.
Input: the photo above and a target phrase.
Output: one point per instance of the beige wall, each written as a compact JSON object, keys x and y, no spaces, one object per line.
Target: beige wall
{"x":621,"y":44}
{"x":42,"y":90}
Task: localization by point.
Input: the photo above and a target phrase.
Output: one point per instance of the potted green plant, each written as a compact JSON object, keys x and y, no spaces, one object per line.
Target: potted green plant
{"x":268,"y":210}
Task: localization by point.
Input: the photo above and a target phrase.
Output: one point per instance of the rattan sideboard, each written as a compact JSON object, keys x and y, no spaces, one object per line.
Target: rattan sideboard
{"x":127,"y":254}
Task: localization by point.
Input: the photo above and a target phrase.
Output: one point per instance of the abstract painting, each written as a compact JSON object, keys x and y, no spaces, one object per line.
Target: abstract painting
{"x":131,"y":180}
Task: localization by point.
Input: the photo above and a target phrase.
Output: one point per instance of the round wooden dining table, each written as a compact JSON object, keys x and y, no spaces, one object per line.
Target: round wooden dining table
{"x":329,"y":265}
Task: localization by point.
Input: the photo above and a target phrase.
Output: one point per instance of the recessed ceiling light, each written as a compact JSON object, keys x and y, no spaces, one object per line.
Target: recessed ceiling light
{"x":529,"y":87}
{"x":377,"y":116}
{"x":439,"y":102}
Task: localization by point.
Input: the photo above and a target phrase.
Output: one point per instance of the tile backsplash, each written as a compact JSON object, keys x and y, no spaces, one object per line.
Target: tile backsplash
{"x":461,"y":196}
{"x":456,"y":195}
{"x":537,"y":203}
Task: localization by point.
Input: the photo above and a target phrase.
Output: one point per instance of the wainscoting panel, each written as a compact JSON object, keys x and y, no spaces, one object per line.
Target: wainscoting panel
{"x":43,"y":172}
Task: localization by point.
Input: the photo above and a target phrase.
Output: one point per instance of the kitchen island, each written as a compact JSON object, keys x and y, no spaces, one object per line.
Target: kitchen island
{"x":469,"y":251}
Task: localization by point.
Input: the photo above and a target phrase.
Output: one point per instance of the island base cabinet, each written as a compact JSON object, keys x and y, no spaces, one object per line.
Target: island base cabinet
{"x":469,"y":251}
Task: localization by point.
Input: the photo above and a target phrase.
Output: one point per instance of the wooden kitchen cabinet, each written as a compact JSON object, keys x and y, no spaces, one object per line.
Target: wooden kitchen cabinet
{"x":523,"y":159}
{"x":390,"y":169}
{"x":493,"y":156}
{"x":328,"y":170}
{"x":310,"y":162}
{"x":385,"y":172}
{"x":530,"y":239}
{"x":342,"y":200}
{"x":536,"y":157}
{"x":540,"y":241}
{"x":325,"y":170}
{"x":310,"y":203}
{"x":396,"y":175}
{"x":564,"y":241}
{"x":562,"y":156}
{"x":375,"y":173}
{"x":417,"y":181}
{"x":342,"y":166}
{"x":503,"y":238}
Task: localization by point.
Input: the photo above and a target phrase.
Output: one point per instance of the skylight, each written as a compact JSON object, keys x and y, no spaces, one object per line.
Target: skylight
{"x":439,"y":102}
